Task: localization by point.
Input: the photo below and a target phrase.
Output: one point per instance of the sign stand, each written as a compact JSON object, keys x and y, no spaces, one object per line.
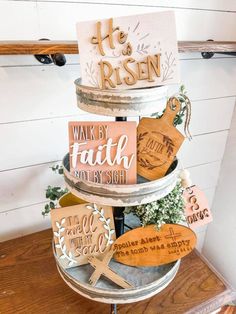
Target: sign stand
{"x":113,"y":308}
{"x":119,"y":219}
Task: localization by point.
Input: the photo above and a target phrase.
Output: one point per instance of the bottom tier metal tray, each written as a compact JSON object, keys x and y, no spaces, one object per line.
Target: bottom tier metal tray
{"x":147,"y":281}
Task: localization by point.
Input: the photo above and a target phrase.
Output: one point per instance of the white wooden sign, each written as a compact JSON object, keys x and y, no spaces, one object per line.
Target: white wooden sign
{"x":129,"y":52}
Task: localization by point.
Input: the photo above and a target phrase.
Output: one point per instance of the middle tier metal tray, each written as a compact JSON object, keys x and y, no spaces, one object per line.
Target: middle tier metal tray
{"x":121,"y":195}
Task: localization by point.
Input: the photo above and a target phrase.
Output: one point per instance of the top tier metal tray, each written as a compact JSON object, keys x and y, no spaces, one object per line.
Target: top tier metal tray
{"x":121,"y":103}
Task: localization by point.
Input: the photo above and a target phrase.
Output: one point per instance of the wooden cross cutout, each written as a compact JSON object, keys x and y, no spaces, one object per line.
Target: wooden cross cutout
{"x":101,"y":268}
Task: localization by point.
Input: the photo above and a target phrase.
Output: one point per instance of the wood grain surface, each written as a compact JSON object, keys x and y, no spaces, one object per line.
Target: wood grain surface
{"x":158,"y":142}
{"x":31,"y":47}
{"x":28,"y":47}
{"x":30,"y":283}
{"x":147,"y":246}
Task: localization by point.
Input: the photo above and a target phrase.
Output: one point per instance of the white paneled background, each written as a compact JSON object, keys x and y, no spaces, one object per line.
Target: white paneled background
{"x":37,"y":101}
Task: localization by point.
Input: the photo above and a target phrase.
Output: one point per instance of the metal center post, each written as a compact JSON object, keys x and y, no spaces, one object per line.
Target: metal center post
{"x":118,"y":212}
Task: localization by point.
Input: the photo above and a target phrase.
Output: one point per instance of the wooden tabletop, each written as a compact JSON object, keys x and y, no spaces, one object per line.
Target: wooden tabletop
{"x":30,"y":283}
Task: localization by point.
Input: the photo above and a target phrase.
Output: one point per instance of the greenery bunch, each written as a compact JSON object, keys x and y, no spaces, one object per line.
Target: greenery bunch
{"x":53,"y":193}
{"x":169,"y":209}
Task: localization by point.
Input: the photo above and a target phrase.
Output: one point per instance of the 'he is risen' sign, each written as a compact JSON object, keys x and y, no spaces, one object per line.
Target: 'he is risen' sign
{"x":127,"y":52}
{"x":103,"y":152}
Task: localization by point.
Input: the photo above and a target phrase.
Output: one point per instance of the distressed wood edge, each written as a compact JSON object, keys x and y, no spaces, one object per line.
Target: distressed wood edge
{"x":214,"y":303}
{"x":32,"y":47}
{"x":214,"y":270}
{"x":207,"y":46}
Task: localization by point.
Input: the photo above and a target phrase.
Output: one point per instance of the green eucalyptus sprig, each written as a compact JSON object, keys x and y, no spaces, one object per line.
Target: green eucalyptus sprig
{"x":53,"y":193}
{"x":57,"y":169}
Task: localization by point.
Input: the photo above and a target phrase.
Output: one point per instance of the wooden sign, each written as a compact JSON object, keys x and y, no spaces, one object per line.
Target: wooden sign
{"x":101,"y":268}
{"x":129,"y":52}
{"x":103,"y":152}
{"x":82,"y":231}
{"x":147,"y":246}
{"x":197,"y":210}
{"x":158,"y":142}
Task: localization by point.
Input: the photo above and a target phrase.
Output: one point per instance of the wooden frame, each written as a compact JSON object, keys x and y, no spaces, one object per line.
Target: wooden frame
{"x":31,"y":47}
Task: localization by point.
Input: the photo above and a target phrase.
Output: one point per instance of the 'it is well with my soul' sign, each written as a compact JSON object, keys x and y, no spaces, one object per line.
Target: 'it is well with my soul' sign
{"x":103,"y":152}
{"x":129,"y":52}
{"x":81,"y":231}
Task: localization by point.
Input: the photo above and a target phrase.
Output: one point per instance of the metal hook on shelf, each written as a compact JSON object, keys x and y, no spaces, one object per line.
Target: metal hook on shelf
{"x":209,"y":55}
{"x":58,"y":58}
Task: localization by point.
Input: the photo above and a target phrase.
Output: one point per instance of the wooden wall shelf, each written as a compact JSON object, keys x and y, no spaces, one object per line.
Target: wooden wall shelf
{"x":71,"y":47}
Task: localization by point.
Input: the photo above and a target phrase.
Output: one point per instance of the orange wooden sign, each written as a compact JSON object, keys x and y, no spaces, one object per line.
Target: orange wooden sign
{"x":197,"y":210}
{"x":81,"y":231}
{"x":147,"y":246}
{"x":103,"y":152}
{"x":158,"y":142}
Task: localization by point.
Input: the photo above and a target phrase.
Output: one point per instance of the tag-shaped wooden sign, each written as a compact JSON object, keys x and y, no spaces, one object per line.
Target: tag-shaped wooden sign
{"x":158,"y":142}
{"x":147,"y":246}
{"x":129,"y":52}
{"x":197,"y":210}
{"x":81,"y":231}
{"x":103,"y":152}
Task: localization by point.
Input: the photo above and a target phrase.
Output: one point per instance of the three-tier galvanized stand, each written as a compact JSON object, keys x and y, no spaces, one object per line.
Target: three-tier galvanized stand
{"x":146,"y":281}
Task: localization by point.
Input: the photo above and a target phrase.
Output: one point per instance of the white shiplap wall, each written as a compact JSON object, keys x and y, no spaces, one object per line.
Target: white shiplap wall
{"x":219,"y":244}
{"x":37,"y":101}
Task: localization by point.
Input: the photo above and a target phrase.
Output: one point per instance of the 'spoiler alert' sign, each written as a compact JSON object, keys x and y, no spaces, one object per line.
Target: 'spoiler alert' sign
{"x":129,"y":52}
{"x":147,"y":246}
{"x":103,"y":152}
